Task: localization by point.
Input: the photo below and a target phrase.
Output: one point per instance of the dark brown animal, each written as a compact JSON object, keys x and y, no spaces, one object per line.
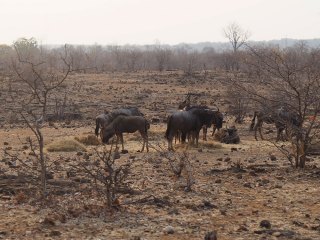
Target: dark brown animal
{"x":106,"y":118}
{"x":187,"y":122}
{"x":126,"y":124}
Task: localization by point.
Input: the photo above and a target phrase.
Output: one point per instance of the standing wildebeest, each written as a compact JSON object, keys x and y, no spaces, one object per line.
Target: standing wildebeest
{"x":282,"y":118}
{"x":126,"y":124}
{"x":216,"y":120}
{"x":187,"y":122}
{"x":106,"y":118}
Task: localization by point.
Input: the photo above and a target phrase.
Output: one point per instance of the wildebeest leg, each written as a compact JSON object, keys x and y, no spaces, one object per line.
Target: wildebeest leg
{"x":183,"y":137}
{"x":258,"y":127}
{"x":121,"y":139}
{"x":204,"y":132}
{"x":145,"y":140}
{"x":170,"y":146}
{"x":213,"y":129}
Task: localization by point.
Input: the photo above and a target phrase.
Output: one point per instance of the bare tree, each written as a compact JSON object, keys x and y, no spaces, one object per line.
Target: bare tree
{"x":291,"y":80}
{"x":162,"y":56}
{"x":236,"y":35}
{"x":35,"y":80}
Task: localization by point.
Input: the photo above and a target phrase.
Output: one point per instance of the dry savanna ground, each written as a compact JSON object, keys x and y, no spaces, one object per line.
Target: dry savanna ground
{"x":242,"y":191}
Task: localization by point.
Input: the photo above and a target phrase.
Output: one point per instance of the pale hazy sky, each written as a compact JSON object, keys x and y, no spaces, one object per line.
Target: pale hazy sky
{"x":148,"y":21}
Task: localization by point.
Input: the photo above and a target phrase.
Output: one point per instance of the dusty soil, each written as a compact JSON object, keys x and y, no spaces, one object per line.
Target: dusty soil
{"x":235,"y":187}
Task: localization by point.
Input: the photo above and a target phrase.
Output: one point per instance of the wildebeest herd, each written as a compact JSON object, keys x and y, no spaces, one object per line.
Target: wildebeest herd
{"x":186,"y":123}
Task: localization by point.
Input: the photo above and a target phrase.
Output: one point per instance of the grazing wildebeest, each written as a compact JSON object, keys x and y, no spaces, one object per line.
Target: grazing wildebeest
{"x":281,"y":117}
{"x":126,"y":124}
{"x":187,"y":122}
{"x":106,"y":118}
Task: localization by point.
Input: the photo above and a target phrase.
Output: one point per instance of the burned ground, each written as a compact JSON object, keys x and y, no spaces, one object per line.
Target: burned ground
{"x":235,"y":187}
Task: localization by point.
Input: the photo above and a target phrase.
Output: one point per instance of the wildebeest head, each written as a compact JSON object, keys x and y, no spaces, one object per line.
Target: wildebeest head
{"x":106,"y":135}
{"x":205,"y":115}
{"x":218,"y":119}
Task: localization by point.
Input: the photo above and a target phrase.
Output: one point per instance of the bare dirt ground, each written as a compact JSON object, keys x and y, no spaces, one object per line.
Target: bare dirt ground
{"x":235,"y":187}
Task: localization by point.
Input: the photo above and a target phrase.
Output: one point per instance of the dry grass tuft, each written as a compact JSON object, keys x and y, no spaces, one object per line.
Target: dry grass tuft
{"x":65,"y":145}
{"x":88,"y":140}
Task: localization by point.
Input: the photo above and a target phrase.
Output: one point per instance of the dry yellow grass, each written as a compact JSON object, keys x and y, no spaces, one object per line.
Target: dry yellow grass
{"x":65,"y":145}
{"x":88,"y":140}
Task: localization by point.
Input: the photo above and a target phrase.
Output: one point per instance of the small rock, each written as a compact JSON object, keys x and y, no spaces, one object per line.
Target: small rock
{"x":124,"y":151}
{"x":200,"y":150}
{"x":265,"y":224}
{"x":5,"y":143}
{"x":273,"y":157}
{"x":234,"y":149}
{"x":168,"y":230}
{"x":79,"y":153}
{"x":227,"y":159}
{"x":55,"y":233}
{"x":116,"y":155}
{"x":174,"y":211}
{"x":219,"y":159}
{"x":247,"y":185}
{"x":211,"y":236}
{"x":218,"y":181}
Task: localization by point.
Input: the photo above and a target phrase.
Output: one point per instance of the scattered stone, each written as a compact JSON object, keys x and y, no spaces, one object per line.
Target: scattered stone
{"x":265,"y":224}
{"x":79,"y":153}
{"x":124,"y":151}
{"x":219,"y":159}
{"x":242,"y":229}
{"x":211,"y":236}
{"x":227,"y":159}
{"x":55,"y":233}
{"x":116,"y":155}
{"x":247,"y":185}
{"x":174,"y":211}
{"x":5,"y":143}
{"x":136,"y":238}
{"x":209,"y":205}
{"x":273,"y":157}
{"x":233,"y":149}
{"x":218,"y":181}
{"x":48,"y":221}
{"x":168,"y":230}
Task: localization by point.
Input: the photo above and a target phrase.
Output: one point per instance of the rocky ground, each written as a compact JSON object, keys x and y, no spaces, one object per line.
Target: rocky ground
{"x":242,"y":191}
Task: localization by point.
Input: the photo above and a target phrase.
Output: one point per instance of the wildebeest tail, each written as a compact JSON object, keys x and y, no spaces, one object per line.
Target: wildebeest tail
{"x":253,"y":121}
{"x":97,"y":127}
{"x":168,"y":126}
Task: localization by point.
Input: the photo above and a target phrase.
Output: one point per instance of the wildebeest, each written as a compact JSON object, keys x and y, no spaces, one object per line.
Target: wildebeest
{"x":281,"y":117}
{"x":126,"y":124}
{"x":216,"y":120}
{"x":187,"y":122}
{"x":106,"y":118}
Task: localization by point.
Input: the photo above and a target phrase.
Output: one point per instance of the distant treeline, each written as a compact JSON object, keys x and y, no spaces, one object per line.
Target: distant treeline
{"x":158,"y":57}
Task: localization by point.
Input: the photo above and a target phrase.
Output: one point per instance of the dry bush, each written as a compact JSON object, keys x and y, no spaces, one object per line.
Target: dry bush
{"x":108,"y":177}
{"x":88,"y":140}
{"x":65,"y":145}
